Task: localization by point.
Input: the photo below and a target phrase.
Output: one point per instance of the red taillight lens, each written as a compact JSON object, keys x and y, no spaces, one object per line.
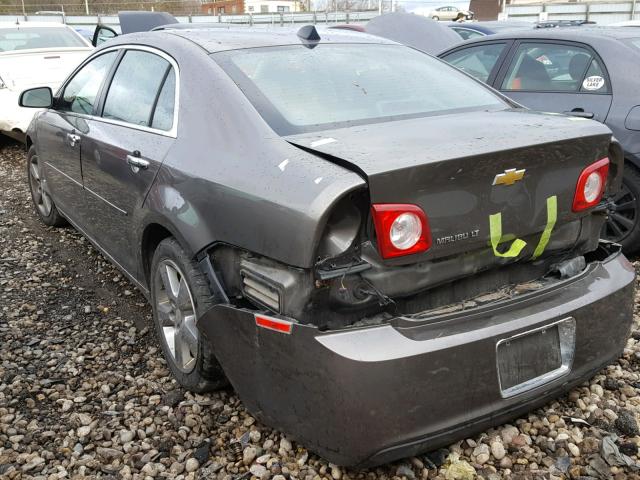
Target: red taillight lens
{"x":591,"y":184}
{"x":401,"y":229}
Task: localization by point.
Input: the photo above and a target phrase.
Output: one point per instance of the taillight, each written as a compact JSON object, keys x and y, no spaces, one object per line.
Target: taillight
{"x":400,"y":229}
{"x":591,"y":184}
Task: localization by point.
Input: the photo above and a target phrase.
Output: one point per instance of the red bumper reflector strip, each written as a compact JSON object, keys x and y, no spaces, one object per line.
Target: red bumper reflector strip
{"x":275,"y":324}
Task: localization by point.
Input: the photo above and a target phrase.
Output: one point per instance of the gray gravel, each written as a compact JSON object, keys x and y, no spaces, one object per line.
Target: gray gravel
{"x":85,"y":393}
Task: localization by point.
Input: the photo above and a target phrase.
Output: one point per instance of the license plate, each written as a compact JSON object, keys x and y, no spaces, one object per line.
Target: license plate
{"x":536,"y":357}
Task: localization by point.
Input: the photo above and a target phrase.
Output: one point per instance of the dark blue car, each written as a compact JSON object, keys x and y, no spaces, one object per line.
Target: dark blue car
{"x":586,"y":72}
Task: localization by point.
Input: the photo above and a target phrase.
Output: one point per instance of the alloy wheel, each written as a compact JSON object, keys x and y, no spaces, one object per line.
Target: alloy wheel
{"x":622,"y":215}
{"x":41,"y":198}
{"x":177,"y":315}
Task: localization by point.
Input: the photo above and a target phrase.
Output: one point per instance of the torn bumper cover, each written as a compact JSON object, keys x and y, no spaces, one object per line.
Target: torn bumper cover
{"x":365,"y":396}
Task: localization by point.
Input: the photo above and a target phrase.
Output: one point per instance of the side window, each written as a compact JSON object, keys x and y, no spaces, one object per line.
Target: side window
{"x":80,"y":94}
{"x":547,"y":67}
{"x":163,"y":113}
{"x":476,"y":61}
{"x":134,"y":88}
{"x":595,"y":80}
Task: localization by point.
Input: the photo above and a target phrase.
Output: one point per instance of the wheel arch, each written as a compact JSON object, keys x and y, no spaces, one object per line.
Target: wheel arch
{"x":155,"y":230}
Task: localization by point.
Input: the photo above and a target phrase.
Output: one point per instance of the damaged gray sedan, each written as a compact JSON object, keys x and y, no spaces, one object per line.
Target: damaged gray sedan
{"x":376,"y":263}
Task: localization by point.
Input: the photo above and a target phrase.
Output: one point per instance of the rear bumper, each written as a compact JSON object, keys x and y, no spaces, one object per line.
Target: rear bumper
{"x":371,"y":395}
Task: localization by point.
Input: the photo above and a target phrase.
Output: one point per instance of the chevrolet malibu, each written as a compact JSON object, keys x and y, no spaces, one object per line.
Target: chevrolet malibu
{"x":378,"y":265}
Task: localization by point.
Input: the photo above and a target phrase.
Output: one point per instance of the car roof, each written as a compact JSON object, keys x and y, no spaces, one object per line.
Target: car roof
{"x":415,"y":31}
{"x":579,"y":34}
{"x":493,"y":26}
{"x":233,"y":38}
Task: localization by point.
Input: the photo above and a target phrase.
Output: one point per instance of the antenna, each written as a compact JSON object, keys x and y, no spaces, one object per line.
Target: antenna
{"x":309,"y":36}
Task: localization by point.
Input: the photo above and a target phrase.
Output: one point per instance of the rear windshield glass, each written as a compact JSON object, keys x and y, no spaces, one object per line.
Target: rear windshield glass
{"x":38,"y":37}
{"x":297,"y":89}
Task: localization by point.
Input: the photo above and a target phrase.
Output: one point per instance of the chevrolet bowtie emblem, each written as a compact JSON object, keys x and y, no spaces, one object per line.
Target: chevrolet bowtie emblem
{"x":509,"y":177}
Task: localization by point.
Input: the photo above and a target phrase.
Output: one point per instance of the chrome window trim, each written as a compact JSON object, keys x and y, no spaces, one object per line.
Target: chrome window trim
{"x":173,"y":133}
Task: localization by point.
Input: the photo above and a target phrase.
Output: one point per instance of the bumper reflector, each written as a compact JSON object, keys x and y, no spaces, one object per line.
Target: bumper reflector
{"x":275,"y":324}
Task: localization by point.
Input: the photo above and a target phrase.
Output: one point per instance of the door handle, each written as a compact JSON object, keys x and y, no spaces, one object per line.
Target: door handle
{"x":137,"y":163}
{"x":73,"y":139}
{"x":579,"y":112}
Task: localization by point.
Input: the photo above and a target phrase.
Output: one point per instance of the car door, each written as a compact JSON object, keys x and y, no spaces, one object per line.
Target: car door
{"x":481,"y":61}
{"x":60,"y":132}
{"x":125,"y":146}
{"x":554,"y":76}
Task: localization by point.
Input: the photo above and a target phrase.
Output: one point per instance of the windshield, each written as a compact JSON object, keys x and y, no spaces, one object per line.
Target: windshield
{"x":297,"y":89}
{"x":634,"y":42}
{"x":38,"y":37}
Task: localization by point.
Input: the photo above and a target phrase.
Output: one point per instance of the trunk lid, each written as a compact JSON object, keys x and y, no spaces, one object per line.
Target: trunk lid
{"x":448,"y":166}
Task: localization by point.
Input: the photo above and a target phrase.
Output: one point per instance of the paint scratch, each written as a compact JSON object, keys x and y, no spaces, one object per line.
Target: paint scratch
{"x":324,"y":141}
{"x":283,"y":164}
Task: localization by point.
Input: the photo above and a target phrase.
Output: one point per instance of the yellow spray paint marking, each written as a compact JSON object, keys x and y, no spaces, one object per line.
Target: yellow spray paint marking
{"x":495,"y":229}
{"x":552,"y":216}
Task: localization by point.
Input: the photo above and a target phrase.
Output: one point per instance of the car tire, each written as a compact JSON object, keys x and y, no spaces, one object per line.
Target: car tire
{"x":623,"y":224}
{"x":42,"y":201}
{"x":175,"y":310}
{"x":436,"y":18}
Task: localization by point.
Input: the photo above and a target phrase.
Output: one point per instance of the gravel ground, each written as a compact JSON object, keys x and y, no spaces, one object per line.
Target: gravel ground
{"x":85,"y":393}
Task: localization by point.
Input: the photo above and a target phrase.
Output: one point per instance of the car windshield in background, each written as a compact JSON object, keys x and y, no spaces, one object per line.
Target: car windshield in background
{"x":634,"y":42}
{"x":38,"y":37}
{"x":297,"y":89}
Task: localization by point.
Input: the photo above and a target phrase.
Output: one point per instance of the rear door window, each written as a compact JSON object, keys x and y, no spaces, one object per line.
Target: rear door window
{"x":135,"y":88}
{"x":552,"y":67}
{"x":596,"y":80}
{"x":478,"y":61}
{"x":163,"y":113}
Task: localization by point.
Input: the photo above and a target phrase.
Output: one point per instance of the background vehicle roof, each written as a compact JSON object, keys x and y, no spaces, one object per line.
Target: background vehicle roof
{"x":580,"y":34}
{"x":220,"y":39}
{"x":413,"y":30}
{"x":494,"y":26}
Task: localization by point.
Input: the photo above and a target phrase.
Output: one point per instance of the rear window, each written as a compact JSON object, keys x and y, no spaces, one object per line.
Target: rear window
{"x":38,"y":37}
{"x":298,"y":89}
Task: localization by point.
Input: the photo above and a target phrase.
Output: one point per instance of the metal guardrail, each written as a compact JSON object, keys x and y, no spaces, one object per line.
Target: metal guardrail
{"x":275,"y":19}
{"x":602,"y":13}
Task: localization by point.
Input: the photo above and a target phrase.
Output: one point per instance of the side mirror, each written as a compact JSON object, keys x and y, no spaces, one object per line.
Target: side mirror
{"x":103,"y":33}
{"x":41,"y":97}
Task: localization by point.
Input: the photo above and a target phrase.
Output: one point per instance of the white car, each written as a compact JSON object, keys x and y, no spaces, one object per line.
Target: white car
{"x":451,"y":13}
{"x":33,"y":54}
